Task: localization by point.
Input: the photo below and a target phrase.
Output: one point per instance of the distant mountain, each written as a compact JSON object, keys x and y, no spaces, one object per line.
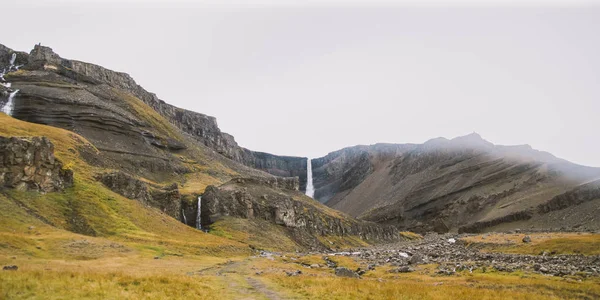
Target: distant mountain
{"x":463,"y":184}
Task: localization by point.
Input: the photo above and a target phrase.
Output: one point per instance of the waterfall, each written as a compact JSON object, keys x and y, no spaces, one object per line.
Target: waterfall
{"x":8,"y":107}
{"x":184,"y":218}
{"x":310,"y":190}
{"x":199,"y":214}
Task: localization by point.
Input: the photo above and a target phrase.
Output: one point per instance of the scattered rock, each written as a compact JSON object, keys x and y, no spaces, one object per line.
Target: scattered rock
{"x":315,"y":266}
{"x":10,"y":268}
{"x":345,"y":272}
{"x":157,"y":257}
{"x":415,"y":259}
{"x":294,"y":273}
{"x":527,"y":239}
{"x":403,"y":269}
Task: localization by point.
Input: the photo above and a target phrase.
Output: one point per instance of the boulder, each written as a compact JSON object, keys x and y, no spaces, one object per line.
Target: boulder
{"x":345,"y":272}
{"x":403,"y":269}
{"x":28,"y":163}
{"x":416,"y":259}
{"x":527,"y":239}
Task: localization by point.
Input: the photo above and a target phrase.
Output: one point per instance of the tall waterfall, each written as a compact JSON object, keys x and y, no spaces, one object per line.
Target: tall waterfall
{"x":8,"y":107}
{"x":310,"y":189}
{"x":184,"y":218}
{"x":198,"y":215}
{"x":13,"y":58}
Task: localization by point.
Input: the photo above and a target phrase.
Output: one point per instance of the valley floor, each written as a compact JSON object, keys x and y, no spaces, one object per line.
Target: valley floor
{"x":433,"y":267}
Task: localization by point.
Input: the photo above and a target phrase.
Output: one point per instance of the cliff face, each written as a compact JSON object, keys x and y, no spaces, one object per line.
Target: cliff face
{"x":165,"y":198}
{"x":29,"y":164}
{"x":465,"y":184}
{"x":275,"y":202}
{"x":201,"y":127}
{"x":342,"y":170}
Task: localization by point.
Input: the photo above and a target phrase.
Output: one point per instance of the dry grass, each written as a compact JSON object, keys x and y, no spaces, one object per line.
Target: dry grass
{"x":423,"y":284}
{"x":410,"y":235}
{"x":342,"y":242}
{"x":197,"y":182}
{"x":552,"y":243}
{"x":71,"y":285}
{"x":257,"y":233}
{"x":113,"y":256}
{"x":149,"y":115}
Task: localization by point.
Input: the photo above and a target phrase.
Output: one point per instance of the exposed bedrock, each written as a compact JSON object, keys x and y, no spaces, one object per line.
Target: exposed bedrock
{"x":29,"y":164}
{"x":275,"y":202}
{"x":166,"y":198}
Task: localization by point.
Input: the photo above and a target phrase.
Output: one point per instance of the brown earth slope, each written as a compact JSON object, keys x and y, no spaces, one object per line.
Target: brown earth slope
{"x":463,"y":184}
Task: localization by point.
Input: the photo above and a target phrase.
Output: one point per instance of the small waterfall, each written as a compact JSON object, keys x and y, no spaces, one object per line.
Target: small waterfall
{"x":310,"y":189}
{"x":199,"y":214}
{"x":8,"y":107}
{"x":184,"y":218}
{"x":13,"y":57}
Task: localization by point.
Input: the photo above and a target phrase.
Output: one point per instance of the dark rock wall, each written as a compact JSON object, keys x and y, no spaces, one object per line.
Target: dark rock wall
{"x":29,"y":164}
{"x":576,"y":196}
{"x":246,"y":198}
{"x":6,"y":54}
{"x":167,"y":199}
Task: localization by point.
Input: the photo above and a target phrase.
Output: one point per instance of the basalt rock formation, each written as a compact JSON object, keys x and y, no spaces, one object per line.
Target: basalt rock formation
{"x":29,"y":164}
{"x":166,"y":198}
{"x":465,"y":184}
{"x":278,"y":201}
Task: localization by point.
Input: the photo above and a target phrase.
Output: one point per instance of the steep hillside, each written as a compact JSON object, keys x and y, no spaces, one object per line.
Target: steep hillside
{"x":116,"y":143}
{"x":464,"y":184}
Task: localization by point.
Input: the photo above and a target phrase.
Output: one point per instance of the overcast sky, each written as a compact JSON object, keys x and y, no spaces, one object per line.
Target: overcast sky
{"x":306,"y":78}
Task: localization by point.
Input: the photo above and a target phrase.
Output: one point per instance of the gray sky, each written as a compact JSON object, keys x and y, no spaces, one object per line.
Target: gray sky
{"x":304,"y":79}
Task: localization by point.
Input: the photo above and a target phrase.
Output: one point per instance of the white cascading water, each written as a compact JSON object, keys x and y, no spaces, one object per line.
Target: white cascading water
{"x":310,"y":189}
{"x":184,"y":218}
{"x":8,"y":107}
{"x":199,"y":214}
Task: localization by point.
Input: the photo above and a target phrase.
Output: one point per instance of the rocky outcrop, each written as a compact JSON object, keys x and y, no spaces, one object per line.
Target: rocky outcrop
{"x":586,"y":192}
{"x":6,"y":54}
{"x":283,"y":183}
{"x":247,"y":198}
{"x":29,"y":164}
{"x":165,"y":198}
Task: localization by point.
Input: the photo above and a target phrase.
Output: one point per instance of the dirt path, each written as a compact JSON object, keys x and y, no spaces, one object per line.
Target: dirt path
{"x":240,"y":281}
